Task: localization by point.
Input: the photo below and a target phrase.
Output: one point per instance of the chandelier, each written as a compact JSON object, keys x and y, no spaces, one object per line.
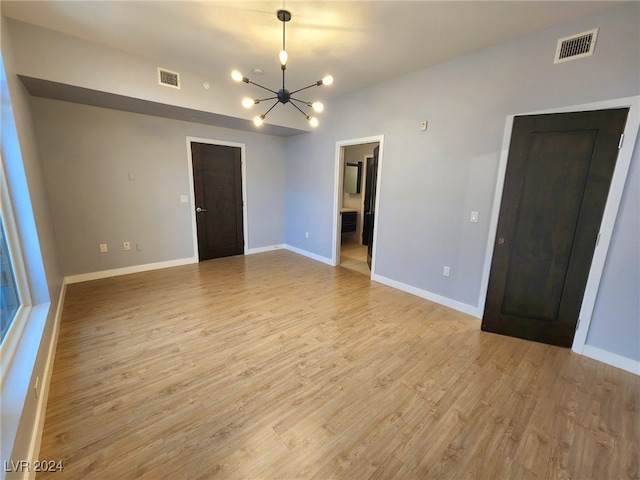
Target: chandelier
{"x":283,"y":95}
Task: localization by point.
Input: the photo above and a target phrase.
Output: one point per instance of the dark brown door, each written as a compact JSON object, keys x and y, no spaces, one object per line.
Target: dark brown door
{"x":556,"y":184}
{"x":217,"y":179}
{"x":370,"y":204}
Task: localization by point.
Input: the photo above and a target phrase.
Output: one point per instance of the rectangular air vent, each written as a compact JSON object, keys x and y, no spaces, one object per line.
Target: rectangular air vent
{"x":168,"y":78}
{"x":576,"y":46}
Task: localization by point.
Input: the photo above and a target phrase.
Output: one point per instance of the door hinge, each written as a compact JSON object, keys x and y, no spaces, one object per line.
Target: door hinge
{"x":621,"y":140}
{"x":598,"y":239}
{"x":577,"y":324}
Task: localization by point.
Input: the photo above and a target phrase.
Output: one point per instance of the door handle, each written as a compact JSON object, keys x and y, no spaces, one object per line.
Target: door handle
{"x":201,"y":209}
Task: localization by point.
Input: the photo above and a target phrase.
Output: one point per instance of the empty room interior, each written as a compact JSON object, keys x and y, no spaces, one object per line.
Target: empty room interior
{"x":350,"y":239}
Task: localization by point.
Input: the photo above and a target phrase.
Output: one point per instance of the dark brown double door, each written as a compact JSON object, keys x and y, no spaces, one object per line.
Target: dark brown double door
{"x":217,"y":180}
{"x":557,"y":181}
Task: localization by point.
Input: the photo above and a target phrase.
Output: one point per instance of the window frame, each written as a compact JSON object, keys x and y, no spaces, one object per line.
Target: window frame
{"x":11,"y":341}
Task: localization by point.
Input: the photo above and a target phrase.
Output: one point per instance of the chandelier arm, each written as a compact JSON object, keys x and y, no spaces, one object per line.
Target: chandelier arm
{"x":308,"y":104}
{"x":264,"y":99}
{"x":304,"y":88}
{"x":298,"y":108}
{"x":272,"y":106}
{"x":258,"y":85}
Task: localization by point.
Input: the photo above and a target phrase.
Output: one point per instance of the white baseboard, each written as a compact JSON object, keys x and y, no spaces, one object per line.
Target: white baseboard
{"x":38,"y":424}
{"x":313,"y":256}
{"x":85,"y":277}
{"x":433,"y":297}
{"x":595,"y":353}
{"x":252,"y":251}
{"x":612,"y":359}
{"x":447,"y":302}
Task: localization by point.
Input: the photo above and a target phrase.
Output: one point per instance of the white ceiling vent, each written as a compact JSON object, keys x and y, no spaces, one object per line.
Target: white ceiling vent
{"x":168,"y":78}
{"x":576,"y":46}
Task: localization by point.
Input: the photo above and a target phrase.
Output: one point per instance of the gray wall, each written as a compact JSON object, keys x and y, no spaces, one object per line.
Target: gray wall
{"x":88,"y":153}
{"x":432,"y":180}
{"x":35,"y":228}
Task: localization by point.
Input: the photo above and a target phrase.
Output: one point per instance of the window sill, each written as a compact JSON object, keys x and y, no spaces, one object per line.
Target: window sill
{"x":18,"y":363}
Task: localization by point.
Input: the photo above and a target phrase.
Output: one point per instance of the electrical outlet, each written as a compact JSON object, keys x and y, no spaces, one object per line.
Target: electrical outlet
{"x":126,"y":246}
{"x":423,"y":125}
{"x":446,"y":271}
{"x":103,"y":248}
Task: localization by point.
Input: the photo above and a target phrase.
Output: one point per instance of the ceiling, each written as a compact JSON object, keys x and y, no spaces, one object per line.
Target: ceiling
{"x":359,"y":42}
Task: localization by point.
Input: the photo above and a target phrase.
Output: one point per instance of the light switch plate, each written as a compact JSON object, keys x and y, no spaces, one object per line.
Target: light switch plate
{"x":184,"y":199}
{"x":474,"y":217}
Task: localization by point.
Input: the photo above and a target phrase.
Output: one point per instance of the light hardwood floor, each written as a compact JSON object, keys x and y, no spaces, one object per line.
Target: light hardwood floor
{"x":275,"y":366}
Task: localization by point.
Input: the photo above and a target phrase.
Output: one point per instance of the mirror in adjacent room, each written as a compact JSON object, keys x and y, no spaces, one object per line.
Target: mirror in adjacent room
{"x":353,"y":178}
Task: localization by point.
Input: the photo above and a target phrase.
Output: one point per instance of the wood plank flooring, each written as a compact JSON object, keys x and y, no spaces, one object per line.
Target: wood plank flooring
{"x":273,"y":366}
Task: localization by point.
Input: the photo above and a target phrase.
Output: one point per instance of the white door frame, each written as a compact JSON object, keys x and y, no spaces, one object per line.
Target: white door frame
{"x":337,"y":194}
{"x":608,"y":219}
{"x":194,"y":227}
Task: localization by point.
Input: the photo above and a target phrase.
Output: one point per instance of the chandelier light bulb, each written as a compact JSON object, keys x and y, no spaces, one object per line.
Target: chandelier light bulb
{"x":258,"y":121}
{"x":328,"y":80}
{"x":283,"y":56}
{"x":313,"y":121}
{"x":237,"y":76}
{"x":317,"y":107}
{"x":248,"y":102}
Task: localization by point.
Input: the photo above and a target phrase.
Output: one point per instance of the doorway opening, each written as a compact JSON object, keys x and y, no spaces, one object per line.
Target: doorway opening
{"x":355,"y":201}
